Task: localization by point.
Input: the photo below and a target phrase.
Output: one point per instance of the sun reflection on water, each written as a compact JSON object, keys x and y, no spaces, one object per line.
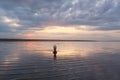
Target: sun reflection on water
{"x":26,"y":59}
{"x":66,"y":49}
{"x":14,"y":57}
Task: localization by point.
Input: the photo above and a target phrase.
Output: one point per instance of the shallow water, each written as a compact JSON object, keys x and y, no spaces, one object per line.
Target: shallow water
{"x":74,"y":61}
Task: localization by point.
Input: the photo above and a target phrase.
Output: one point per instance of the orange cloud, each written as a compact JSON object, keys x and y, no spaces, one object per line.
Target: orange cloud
{"x":29,"y":35}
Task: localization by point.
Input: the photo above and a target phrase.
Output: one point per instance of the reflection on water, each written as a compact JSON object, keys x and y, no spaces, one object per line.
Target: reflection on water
{"x":55,"y":57}
{"x":70,"y":61}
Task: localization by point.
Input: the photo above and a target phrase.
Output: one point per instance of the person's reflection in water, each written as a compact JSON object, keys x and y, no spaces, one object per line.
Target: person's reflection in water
{"x":55,"y":51}
{"x":55,"y":57}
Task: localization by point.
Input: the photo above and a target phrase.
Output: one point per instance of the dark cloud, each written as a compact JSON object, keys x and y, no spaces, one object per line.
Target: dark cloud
{"x":104,"y":14}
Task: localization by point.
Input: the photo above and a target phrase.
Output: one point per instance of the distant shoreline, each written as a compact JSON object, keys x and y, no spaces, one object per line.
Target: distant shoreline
{"x":45,"y":40}
{"x":61,"y":40}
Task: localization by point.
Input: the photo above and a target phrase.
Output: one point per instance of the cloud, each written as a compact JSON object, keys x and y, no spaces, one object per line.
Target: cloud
{"x":10,"y":22}
{"x":24,"y":15}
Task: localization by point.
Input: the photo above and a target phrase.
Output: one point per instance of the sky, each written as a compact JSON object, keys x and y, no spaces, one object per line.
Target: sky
{"x":60,"y":19}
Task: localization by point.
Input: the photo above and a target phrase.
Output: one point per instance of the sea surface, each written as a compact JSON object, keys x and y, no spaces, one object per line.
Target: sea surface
{"x":74,"y":61}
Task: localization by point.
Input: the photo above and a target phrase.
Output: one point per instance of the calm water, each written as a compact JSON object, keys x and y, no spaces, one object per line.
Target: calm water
{"x":74,"y":61}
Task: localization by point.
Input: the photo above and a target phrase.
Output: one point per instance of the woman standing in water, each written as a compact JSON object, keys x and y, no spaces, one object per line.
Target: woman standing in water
{"x":54,"y":49}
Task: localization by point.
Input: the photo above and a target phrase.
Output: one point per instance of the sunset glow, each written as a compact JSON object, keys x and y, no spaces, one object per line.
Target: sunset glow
{"x":59,"y":39}
{"x":59,"y":29}
{"x":29,"y":35}
{"x":62,"y":19}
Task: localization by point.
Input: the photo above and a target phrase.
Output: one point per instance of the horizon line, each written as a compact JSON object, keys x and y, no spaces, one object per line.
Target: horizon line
{"x":75,"y":40}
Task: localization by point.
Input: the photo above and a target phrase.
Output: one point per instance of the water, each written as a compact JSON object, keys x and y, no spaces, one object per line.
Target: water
{"x":74,"y":61}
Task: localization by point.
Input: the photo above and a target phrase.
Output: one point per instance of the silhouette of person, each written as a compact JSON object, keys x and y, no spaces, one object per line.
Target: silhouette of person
{"x":54,"y":49}
{"x":54,"y":52}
